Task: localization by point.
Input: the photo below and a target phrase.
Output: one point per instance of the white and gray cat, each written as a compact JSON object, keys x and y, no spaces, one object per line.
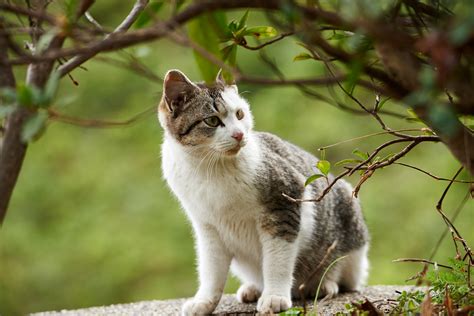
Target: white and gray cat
{"x":230,"y":179}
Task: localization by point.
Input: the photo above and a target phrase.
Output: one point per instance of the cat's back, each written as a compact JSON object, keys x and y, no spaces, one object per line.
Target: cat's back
{"x":285,"y":154}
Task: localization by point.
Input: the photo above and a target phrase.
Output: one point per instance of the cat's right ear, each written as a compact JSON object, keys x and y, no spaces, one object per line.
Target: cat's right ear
{"x":177,"y":88}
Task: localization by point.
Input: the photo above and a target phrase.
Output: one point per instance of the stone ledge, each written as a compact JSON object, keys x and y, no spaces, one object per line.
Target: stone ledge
{"x":229,"y":305}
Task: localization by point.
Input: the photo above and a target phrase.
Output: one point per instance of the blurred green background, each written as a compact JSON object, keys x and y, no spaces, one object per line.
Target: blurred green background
{"x":92,"y":222}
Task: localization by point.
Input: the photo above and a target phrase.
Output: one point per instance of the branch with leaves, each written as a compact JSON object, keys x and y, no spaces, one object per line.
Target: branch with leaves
{"x":423,"y":64}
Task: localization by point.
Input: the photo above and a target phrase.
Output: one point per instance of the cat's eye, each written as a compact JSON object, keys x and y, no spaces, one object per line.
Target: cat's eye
{"x":212,"y":121}
{"x":239,"y":114}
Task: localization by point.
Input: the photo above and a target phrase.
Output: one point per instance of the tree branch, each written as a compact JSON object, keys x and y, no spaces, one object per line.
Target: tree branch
{"x":429,"y":174}
{"x":78,"y":60}
{"x":11,"y":153}
{"x":93,"y":123}
{"x":276,"y":39}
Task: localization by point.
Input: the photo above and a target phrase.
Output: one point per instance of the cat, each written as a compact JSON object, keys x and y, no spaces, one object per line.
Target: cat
{"x":230,"y":179}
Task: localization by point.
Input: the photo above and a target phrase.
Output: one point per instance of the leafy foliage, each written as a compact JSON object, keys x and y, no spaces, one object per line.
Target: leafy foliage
{"x":34,"y":126}
{"x":212,"y":32}
{"x":409,"y":302}
{"x":451,"y":283}
{"x":206,"y":30}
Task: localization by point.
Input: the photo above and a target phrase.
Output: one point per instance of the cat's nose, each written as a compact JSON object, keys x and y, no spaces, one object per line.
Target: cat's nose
{"x":238,"y":136}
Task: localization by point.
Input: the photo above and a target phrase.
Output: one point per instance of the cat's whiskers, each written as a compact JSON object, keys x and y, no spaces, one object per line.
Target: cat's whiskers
{"x":204,"y":156}
{"x":209,"y":165}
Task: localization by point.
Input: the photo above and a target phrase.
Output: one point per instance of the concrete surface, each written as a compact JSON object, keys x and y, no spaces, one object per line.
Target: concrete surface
{"x":228,"y":305}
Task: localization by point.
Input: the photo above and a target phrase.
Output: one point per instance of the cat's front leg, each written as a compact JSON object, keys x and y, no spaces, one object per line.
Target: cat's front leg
{"x":279,"y":256}
{"x":213,"y":266}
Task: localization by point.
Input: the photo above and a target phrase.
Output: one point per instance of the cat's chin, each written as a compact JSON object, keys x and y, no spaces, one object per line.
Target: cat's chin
{"x":233,"y":151}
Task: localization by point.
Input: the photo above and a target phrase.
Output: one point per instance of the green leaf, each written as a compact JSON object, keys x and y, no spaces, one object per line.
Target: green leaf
{"x":302,"y":56}
{"x":412,"y":117}
{"x":338,"y":36}
{"x":324,"y":166}
{"x":354,"y":71}
{"x":45,"y":40}
{"x":71,"y":9}
{"x":261,"y":32}
{"x":7,"y":96}
{"x":360,"y":154}
{"x":346,"y":161}
{"x":24,"y":95}
{"x":312,"y":178}
{"x":444,"y":119}
{"x":34,"y":127}
{"x":226,"y":51}
{"x":243,"y":20}
{"x":382,"y":103}
{"x":233,"y":26}
{"x":50,"y":89}
{"x":148,"y":14}
{"x":292,"y":311}
{"x":463,"y":30}
{"x":205,"y":30}
{"x":5,"y":110}
{"x":427,"y":78}
{"x":229,"y":54}
{"x":359,"y":43}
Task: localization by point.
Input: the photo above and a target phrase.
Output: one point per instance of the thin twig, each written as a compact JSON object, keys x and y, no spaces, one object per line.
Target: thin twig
{"x":422,"y":261}
{"x":431,"y":175}
{"x":370,"y":135}
{"x":276,"y":39}
{"x":330,"y":249}
{"x":38,"y":14}
{"x":93,"y":21}
{"x":79,"y":59}
{"x":134,"y":65}
{"x":454,"y":232}
{"x":138,"y":7}
{"x":453,"y":219}
{"x":93,"y":123}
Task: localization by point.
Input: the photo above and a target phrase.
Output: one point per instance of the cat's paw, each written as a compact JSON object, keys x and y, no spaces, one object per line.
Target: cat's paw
{"x":269,"y":304}
{"x":329,"y":289}
{"x":248,"y":293}
{"x":198,"y":306}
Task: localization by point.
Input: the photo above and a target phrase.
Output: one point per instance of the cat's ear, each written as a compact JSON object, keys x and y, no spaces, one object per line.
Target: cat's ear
{"x":221,"y":81}
{"x":177,"y":88}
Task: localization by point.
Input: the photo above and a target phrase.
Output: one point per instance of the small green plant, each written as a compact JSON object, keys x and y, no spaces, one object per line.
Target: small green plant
{"x":408,"y":303}
{"x":453,"y":283}
{"x":353,"y":309}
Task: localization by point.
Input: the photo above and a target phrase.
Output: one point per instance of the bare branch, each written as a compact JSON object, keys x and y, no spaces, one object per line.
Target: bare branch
{"x":422,"y":261}
{"x":40,"y":15}
{"x":10,"y":161}
{"x":92,"y":123}
{"x":276,"y":39}
{"x":312,"y":81}
{"x":132,"y":16}
{"x":93,"y":21}
{"x":134,"y":65}
{"x":123,"y":27}
{"x":453,"y":218}
{"x":370,"y":135}
{"x":454,"y":232}
{"x":429,"y":174}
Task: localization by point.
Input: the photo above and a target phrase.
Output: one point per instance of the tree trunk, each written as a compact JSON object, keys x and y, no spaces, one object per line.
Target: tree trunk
{"x":12,"y":150}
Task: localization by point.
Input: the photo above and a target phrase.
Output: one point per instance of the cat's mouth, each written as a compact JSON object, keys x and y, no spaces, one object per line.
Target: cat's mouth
{"x":234,"y":150}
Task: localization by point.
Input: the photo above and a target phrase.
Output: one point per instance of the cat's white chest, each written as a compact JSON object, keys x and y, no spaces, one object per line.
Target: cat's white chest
{"x":221,"y":196}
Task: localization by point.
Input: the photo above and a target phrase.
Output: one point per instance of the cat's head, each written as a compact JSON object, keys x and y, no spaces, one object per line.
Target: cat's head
{"x":204,"y":117}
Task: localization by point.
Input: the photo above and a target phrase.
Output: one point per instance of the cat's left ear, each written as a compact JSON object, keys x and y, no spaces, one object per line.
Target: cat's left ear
{"x":177,"y":88}
{"x":220,"y":80}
